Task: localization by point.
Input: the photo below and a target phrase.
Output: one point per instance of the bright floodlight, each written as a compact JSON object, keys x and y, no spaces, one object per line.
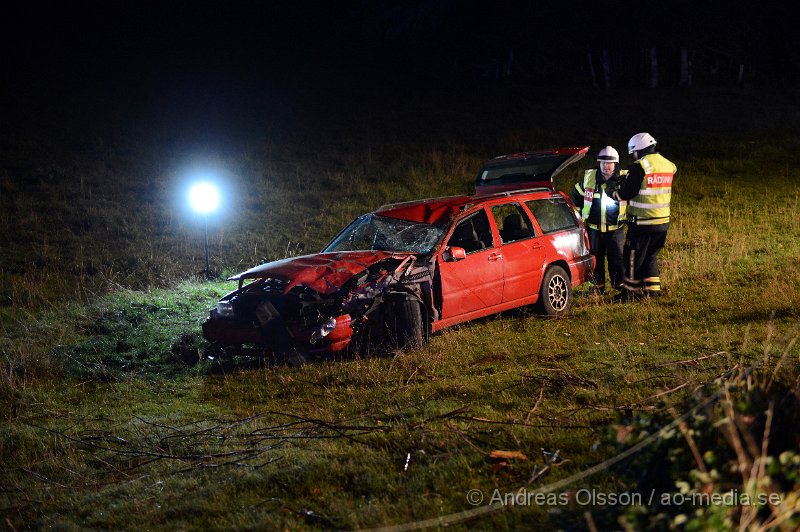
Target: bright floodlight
{"x":204,"y":198}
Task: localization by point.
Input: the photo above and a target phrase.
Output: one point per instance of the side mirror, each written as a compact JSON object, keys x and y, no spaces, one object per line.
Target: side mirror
{"x":453,"y":254}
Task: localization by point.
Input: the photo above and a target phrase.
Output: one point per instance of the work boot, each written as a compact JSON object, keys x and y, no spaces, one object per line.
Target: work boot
{"x":626,"y":296}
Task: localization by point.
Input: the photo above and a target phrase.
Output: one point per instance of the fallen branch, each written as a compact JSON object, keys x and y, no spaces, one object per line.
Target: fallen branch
{"x":518,"y":424}
{"x":452,"y":413}
{"x":691,"y":361}
{"x":536,"y":475}
{"x":564,"y":377}
{"x":535,"y":406}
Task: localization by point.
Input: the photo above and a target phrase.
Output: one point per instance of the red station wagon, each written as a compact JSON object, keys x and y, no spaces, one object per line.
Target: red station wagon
{"x":396,"y":275}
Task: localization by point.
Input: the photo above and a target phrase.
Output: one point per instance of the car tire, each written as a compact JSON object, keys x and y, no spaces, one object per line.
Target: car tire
{"x":555,"y":294}
{"x":407,"y":330}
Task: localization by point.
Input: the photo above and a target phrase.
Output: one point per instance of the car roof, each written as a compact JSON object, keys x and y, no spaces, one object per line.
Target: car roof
{"x":435,"y":209}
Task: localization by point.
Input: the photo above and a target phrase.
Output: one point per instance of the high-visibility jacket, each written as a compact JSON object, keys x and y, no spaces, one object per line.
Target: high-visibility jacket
{"x":599,"y":210}
{"x":651,"y":205}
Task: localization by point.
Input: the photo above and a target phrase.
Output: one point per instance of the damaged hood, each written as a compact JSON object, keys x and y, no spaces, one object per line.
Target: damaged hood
{"x":322,"y":272}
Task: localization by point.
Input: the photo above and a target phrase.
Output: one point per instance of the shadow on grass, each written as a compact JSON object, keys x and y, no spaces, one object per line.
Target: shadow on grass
{"x":751,"y":315}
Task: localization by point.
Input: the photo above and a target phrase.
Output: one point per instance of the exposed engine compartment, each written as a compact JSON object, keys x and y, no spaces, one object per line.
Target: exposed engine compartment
{"x":275,"y":316}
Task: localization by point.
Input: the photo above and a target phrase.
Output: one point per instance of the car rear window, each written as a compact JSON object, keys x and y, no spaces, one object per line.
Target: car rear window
{"x":512,"y":171}
{"x":553,"y":214}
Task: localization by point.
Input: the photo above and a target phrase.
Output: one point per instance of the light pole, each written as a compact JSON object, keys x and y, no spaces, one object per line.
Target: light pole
{"x":204,"y":199}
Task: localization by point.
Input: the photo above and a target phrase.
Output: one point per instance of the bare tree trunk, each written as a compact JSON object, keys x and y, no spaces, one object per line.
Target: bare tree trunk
{"x":686,"y":65}
{"x":606,"y":62}
{"x":741,"y":72}
{"x":653,"y":68}
{"x":591,"y":65}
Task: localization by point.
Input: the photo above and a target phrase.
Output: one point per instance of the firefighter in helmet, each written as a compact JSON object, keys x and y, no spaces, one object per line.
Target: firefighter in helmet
{"x":603,"y":217}
{"x":648,"y":190}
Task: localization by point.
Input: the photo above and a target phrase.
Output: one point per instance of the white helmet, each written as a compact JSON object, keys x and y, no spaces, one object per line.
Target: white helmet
{"x":640,"y":141}
{"x":608,"y":155}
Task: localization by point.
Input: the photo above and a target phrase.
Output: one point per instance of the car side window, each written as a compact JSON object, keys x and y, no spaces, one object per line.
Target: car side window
{"x":473,"y":234}
{"x":512,"y":222}
{"x":553,"y":214}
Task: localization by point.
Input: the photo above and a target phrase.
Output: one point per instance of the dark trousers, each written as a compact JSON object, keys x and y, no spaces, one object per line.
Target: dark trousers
{"x":604,"y":246}
{"x":640,"y":258}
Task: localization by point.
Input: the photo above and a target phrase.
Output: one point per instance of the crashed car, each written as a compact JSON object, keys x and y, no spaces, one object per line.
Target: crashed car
{"x":394,"y":276}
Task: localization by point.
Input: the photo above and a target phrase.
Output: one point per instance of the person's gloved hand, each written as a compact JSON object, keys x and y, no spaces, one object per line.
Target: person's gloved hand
{"x":612,"y":186}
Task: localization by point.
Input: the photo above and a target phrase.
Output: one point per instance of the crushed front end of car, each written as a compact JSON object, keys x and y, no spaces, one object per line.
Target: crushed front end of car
{"x":318,"y":304}
{"x":370,"y":286}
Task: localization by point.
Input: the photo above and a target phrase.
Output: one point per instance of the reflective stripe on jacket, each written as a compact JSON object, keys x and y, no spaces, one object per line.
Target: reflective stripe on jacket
{"x":599,"y":210}
{"x":651,"y":205}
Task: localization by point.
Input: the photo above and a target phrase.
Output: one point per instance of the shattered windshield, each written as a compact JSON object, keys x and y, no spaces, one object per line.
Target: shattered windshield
{"x":379,"y":233}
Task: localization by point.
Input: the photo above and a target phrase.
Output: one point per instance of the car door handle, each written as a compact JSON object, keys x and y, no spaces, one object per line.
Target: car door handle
{"x":536,"y":245}
{"x":495,"y":256}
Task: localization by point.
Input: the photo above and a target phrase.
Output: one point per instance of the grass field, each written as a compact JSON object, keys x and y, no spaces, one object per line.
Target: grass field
{"x":105,"y":425}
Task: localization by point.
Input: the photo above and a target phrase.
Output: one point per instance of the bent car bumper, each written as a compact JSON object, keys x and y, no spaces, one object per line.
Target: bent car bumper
{"x":581,"y":270}
{"x":229,"y":331}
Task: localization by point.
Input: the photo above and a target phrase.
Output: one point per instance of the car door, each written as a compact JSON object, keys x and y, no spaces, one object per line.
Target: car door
{"x":475,"y":282}
{"x":522,"y":252}
{"x":563,"y":237}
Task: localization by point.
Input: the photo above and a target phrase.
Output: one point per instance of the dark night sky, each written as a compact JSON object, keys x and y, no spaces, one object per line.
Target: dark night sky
{"x":85,"y":42}
{"x":146,"y":45}
{"x":159,"y":54}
